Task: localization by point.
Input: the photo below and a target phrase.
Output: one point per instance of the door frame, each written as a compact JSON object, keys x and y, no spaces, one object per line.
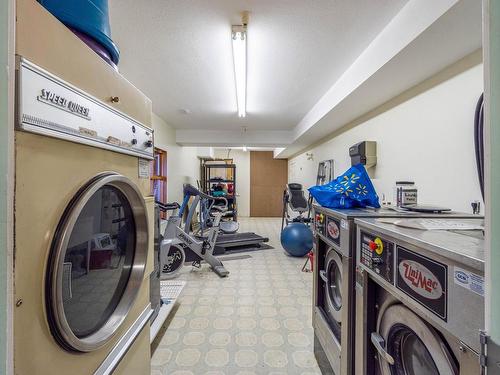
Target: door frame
{"x":7,"y":82}
{"x":491,"y":58}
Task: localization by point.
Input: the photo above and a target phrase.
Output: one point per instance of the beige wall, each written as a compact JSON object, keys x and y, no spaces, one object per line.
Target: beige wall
{"x":427,"y":138}
{"x":183,"y":165}
{"x":242,"y":161}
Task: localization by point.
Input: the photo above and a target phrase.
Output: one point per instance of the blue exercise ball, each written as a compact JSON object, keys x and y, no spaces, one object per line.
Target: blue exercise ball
{"x":297,"y":239}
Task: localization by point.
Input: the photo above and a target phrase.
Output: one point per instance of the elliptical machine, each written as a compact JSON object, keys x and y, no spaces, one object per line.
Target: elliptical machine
{"x":176,"y":238}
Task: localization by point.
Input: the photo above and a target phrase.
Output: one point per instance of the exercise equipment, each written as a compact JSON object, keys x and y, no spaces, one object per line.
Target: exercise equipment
{"x":176,"y":238}
{"x":208,"y":209}
{"x":228,"y":240}
{"x":239,"y":241}
{"x":297,"y":239}
{"x":229,"y":227}
{"x":296,"y":236}
{"x":219,"y":177}
{"x":295,"y":200}
{"x":310,"y":262}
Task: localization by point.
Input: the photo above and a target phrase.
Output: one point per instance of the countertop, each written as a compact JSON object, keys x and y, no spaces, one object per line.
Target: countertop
{"x":386,"y":212}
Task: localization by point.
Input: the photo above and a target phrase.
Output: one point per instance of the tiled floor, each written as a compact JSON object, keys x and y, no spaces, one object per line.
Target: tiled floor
{"x":256,"y":321}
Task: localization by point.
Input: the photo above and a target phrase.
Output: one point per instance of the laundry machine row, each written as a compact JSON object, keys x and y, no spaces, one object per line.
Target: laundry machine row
{"x":419,"y":299}
{"x":334,"y":301}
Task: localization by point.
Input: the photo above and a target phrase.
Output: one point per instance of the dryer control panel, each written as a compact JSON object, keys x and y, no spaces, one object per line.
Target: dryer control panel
{"x":377,"y":254}
{"x":49,"y":106}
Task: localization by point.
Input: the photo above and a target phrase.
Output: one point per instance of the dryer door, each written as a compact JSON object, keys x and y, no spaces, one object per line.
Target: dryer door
{"x":333,"y":285}
{"x":413,"y":346}
{"x":97,"y":262}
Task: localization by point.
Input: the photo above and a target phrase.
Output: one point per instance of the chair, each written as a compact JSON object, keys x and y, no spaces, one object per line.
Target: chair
{"x":294,"y":199}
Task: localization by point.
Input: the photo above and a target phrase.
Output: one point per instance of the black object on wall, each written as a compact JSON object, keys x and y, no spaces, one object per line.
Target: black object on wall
{"x":479,"y":141}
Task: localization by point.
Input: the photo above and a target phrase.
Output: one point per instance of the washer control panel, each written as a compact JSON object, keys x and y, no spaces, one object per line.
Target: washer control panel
{"x":319,"y":223}
{"x":377,"y":254}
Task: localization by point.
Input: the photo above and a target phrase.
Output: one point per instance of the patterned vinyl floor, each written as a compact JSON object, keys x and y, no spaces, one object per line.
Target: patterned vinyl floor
{"x":255,"y":321}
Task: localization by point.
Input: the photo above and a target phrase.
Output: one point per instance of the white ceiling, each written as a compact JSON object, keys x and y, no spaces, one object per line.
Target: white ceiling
{"x":179,"y":53}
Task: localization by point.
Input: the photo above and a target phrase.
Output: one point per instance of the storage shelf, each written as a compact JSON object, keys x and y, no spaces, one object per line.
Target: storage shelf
{"x":207,"y":172}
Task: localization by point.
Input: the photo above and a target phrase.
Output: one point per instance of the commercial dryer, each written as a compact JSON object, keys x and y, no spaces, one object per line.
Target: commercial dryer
{"x":334,"y":280}
{"x":420,"y":299}
{"x":83,"y":218}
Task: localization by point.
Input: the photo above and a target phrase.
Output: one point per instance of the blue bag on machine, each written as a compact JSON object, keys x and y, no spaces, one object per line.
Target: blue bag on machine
{"x":351,"y":189}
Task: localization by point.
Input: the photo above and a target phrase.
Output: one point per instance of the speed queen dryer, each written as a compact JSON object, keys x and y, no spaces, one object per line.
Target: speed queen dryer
{"x":421,"y":302}
{"x":82,"y":232}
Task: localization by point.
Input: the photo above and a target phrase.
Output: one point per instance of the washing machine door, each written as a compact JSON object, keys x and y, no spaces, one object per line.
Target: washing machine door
{"x":333,"y":285}
{"x":407,"y":345}
{"x":97,"y":262}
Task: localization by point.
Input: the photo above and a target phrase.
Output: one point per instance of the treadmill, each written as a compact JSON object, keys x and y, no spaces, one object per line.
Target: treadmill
{"x":232,"y":244}
{"x":229,"y":240}
{"x":238,"y":242}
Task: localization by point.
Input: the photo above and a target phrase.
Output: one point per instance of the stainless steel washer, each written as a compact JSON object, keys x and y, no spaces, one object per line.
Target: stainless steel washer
{"x":334,"y":279}
{"x":421,"y":295}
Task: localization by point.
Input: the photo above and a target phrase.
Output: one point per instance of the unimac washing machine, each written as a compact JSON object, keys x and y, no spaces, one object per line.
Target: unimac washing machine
{"x":83,"y":223}
{"x":334,"y":281}
{"x":421,"y":301}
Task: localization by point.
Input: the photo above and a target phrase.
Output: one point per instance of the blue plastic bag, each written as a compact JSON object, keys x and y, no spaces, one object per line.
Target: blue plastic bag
{"x":351,"y":189}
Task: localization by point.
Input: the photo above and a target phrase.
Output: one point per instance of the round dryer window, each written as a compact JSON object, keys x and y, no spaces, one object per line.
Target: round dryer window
{"x":334,"y":274}
{"x":414,"y":346}
{"x":97,"y":262}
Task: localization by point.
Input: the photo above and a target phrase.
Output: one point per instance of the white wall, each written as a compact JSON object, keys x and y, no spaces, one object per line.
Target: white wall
{"x":242,"y":161}
{"x":427,"y":139}
{"x":183,"y":165}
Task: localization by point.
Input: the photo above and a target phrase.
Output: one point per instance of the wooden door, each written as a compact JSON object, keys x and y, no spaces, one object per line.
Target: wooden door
{"x":268,"y":177}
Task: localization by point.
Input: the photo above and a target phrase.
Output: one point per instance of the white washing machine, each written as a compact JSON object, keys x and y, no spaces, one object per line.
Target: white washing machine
{"x":334,"y":305}
{"x":83,"y":253}
{"x":420,"y":296}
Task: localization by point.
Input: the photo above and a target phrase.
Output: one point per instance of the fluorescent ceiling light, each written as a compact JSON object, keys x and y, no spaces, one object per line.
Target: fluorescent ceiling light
{"x":239,"y":38}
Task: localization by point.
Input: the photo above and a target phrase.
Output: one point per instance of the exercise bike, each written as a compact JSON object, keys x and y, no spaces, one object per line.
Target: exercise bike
{"x":176,"y":238}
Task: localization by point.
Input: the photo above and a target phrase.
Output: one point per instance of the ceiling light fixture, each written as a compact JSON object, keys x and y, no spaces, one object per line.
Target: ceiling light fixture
{"x":239,"y":39}
{"x":245,"y":149}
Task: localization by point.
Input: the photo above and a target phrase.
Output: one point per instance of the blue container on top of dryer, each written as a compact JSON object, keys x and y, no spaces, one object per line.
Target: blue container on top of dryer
{"x":90,"y":17}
